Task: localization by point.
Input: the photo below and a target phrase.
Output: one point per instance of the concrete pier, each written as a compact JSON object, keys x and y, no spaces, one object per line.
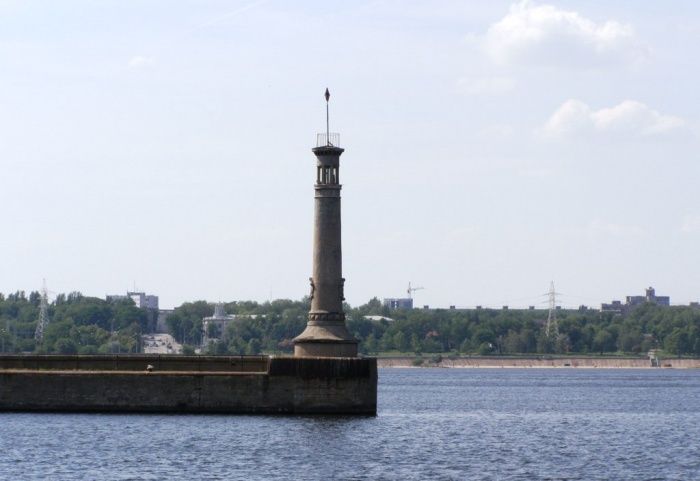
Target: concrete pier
{"x":189,"y":384}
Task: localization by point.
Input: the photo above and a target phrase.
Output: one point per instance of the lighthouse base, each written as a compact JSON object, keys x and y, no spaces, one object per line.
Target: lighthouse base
{"x":325,"y":339}
{"x":325,"y":349}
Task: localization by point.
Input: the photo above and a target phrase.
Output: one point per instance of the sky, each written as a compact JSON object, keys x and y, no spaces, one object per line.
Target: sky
{"x":491,"y":147}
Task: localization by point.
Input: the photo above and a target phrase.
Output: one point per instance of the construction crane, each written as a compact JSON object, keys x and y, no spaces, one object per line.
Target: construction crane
{"x":411,"y":290}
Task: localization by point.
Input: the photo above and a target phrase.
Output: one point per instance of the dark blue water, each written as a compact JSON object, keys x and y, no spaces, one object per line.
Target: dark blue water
{"x":490,"y":424}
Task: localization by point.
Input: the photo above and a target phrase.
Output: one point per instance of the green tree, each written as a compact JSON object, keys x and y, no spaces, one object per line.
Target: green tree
{"x":401,"y":342}
{"x":603,"y":341}
{"x":677,"y":342}
{"x":253,"y":347}
{"x":513,"y":342}
{"x":696,"y":347}
{"x":431,"y":345}
{"x":545,"y":344}
{"x":371,"y":344}
{"x":629,"y":340}
{"x":65,"y":346}
{"x":416,"y":345}
{"x":485,"y":348}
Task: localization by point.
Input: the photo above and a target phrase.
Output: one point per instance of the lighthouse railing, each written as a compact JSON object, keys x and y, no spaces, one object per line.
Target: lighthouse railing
{"x":328,"y":139}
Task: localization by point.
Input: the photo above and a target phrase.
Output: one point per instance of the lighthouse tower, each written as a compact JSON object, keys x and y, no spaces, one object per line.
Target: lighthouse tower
{"x":326,"y":334}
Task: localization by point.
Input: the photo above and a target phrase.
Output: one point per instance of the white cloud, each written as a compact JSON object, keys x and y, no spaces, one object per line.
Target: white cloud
{"x":485,"y":85}
{"x":549,"y":35}
{"x":691,"y":223}
{"x":139,"y":61}
{"x":627,"y":118}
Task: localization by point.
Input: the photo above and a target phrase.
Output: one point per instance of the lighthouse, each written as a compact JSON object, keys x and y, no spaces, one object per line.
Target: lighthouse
{"x":326,"y":334}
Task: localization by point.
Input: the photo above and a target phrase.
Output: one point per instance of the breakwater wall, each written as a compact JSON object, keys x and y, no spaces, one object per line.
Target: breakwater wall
{"x":189,"y":384}
{"x":541,"y":362}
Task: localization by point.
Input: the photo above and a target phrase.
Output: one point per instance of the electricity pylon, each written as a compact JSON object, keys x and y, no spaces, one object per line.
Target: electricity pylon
{"x":43,"y":314}
{"x":552,"y":328}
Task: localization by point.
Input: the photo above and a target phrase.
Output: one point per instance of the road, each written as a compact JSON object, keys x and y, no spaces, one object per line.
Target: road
{"x":161,"y":344}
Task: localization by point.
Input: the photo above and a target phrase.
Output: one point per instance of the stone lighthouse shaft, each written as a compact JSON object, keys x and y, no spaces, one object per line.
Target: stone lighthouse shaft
{"x":327,"y":280}
{"x":326,"y":334}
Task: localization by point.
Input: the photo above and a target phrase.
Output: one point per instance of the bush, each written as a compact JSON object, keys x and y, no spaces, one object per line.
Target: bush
{"x":65,"y":346}
{"x":484,"y":349}
{"x":436,"y":359}
{"x":418,"y":361}
{"x":87,"y":349}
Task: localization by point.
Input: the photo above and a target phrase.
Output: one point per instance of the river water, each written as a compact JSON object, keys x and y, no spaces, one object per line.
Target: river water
{"x":472,"y":424}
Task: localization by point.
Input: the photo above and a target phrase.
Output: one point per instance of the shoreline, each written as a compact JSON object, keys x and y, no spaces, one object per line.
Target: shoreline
{"x":539,"y":363}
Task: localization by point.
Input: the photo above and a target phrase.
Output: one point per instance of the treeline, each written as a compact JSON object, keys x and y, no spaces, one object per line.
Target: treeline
{"x":676,"y":330}
{"x":88,"y":325}
{"x":78,"y":324}
{"x":259,"y":327}
{"x":270,"y":327}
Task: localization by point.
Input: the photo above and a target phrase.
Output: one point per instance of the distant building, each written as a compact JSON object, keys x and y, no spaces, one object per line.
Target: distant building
{"x":398,"y":303}
{"x":614,"y":306}
{"x":141,"y":299}
{"x":214,"y":327}
{"x":378,"y":318}
{"x":649,"y":296}
{"x":634,"y":301}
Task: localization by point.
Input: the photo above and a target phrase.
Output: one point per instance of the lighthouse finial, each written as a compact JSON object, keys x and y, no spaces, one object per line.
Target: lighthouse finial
{"x":328,"y":128}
